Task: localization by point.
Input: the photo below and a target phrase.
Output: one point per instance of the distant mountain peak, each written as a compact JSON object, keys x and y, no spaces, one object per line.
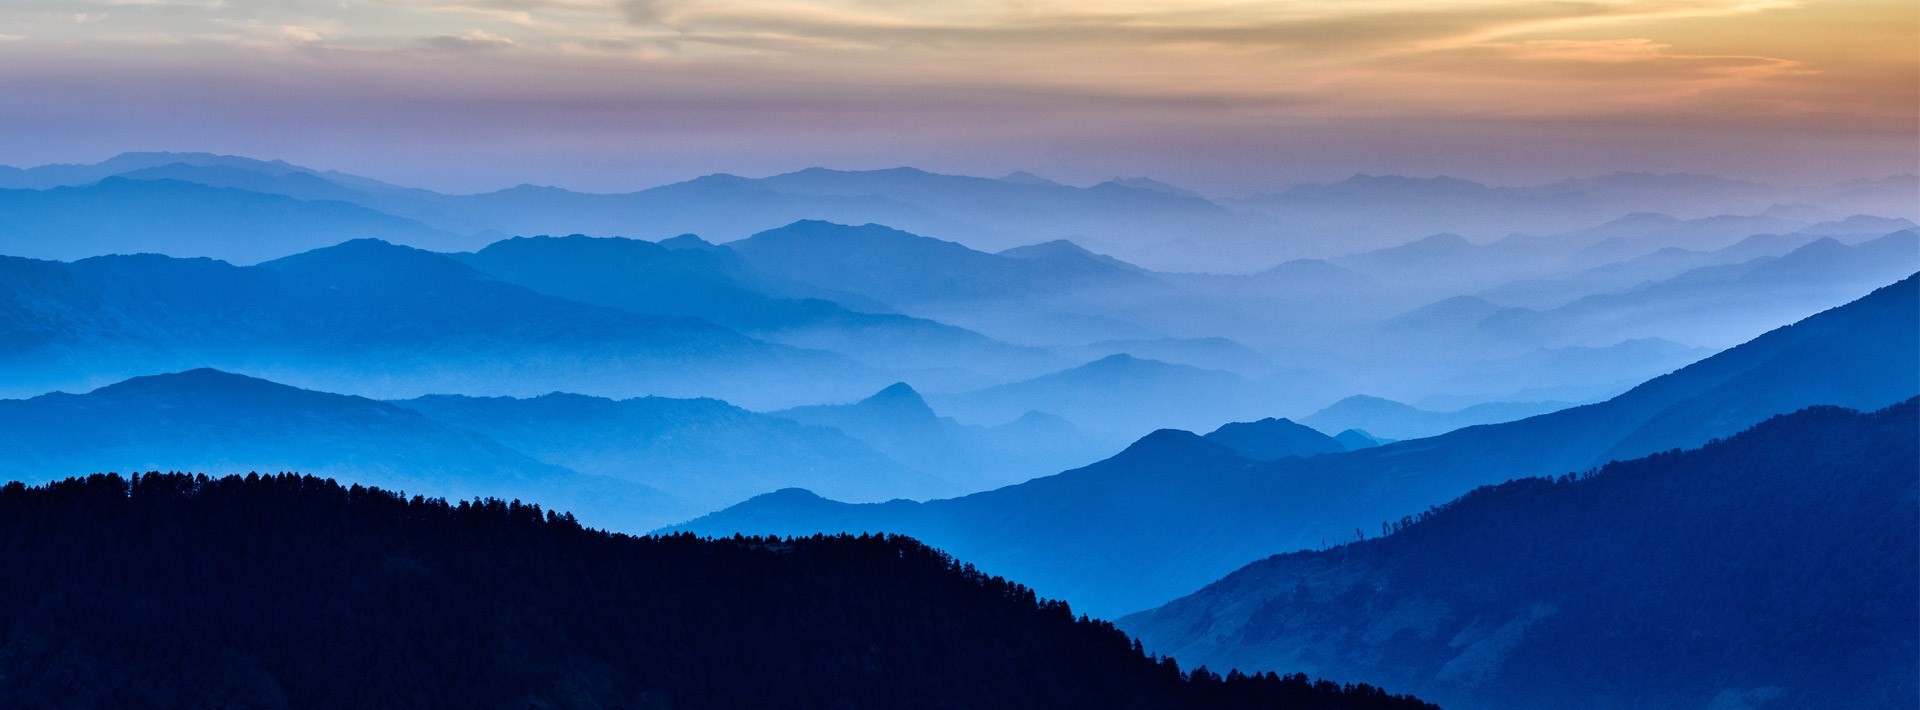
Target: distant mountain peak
{"x":1860,"y":224}
{"x":1367,"y":400}
{"x":354,"y":252}
{"x":820,"y":172}
{"x":1123,"y":363}
{"x":690,"y":242}
{"x":1022,"y":177}
{"x":198,"y":375}
{"x":900,"y":400}
{"x":895,"y":391}
{"x":1271,"y":439}
{"x":1152,"y":185}
{"x":816,"y":229}
{"x":1049,"y":247}
{"x":209,"y":384}
{"x":1356,"y":439}
{"x":1171,"y":447}
{"x":791,"y":494}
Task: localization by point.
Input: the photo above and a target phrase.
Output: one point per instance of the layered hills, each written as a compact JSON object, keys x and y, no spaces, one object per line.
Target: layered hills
{"x":1097,"y":536}
{"x":1770,"y":569}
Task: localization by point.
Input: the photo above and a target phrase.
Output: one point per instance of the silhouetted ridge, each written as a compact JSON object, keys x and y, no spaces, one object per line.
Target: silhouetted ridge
{"x":1356,"y":439}
{"x":1774,"y":568}
{"x":1172,"y":447}
{"x":1274,"y":439}
{"x":898,"y":395}
{"x":687,"y":241}
{"x":200,"y":380}
{"x":177,"y":590}
{"x":1022,"y":177}
{"x":1115,"y":537}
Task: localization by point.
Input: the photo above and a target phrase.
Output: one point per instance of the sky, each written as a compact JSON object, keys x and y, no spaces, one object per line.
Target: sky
{"x":1225,"y":96}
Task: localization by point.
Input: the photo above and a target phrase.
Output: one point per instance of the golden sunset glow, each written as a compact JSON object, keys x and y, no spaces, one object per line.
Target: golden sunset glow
{"x":921,"y":71}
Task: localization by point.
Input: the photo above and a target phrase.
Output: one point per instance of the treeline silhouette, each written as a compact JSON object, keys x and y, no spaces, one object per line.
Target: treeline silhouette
{"x":174,"y":590}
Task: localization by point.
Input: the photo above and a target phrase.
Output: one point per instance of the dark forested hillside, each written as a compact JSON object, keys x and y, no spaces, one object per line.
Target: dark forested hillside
{"x":1773,"y":569}
{"x":285,"y":591}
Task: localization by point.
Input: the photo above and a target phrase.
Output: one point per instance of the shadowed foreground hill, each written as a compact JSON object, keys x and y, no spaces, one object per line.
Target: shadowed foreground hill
{"x":286,"y":591}
{"x":1772,"y":569}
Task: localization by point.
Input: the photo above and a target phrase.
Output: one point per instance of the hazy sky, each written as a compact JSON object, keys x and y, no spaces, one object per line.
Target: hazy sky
{"x":1223,"y":95}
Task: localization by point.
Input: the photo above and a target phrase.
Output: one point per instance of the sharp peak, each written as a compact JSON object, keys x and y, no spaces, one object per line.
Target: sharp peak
{"x":897,"y":389}
{"x":896,"y":396}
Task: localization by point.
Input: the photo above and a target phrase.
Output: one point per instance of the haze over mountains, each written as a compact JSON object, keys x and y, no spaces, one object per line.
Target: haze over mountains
{"x":1017,"y":372}
{"x":1442,"y":322}
{"x":632,"y":464}
{"x":1136,"y":219}
{"x":1095,"y":535}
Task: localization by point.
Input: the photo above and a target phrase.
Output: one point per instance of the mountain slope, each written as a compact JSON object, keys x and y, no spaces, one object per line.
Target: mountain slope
{"x":705,"y":452}
{"x":125,"y":216}
{"x":716,"y":284}
{"x":1771,"y":569}
{"x":898,"y":422}
{"x":1385,"y":209}
{"x":207,"y":420}
{"x":1745,"y":298}
{"x":902,"y":268}
{"x":1273,"y":439}
{"x":1397,"y":420}
{"x":1137,"y":530}
{"x":372,"y":317}
{"x":284,"y":591}
{"x":1121,"y":396}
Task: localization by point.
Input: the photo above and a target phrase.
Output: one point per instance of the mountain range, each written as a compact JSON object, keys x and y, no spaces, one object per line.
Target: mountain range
{"x":1773,"y":568}
{"x":898,"y":422}
{"x":1098,"y":536}
{"x":1640,"y":488}
{"x":207,"y":420}
{"x":629,"y":465}
{"x":373,"y":318}
{"x":1137,"y":219}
